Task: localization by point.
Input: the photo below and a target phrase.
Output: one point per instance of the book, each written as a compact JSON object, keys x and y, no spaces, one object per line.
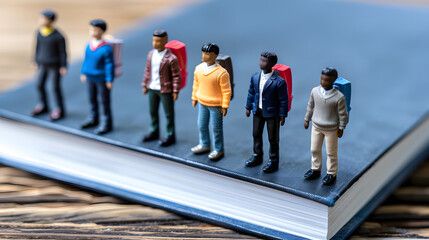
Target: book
{"x":386,"y":138}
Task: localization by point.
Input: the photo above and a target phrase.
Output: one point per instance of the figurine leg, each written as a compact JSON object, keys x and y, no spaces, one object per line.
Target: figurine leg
{"x":57,"y":88}
{"x":203,"y":125}
{"x":273,"y":128}
{"x":92,"y":93}
{"x":258,"y":128}
{"x":105,"y":101}
{"x":216,"y":119}
{"x":316,"y":148}
{"x":331,"y":150}
{"x":154,"y":99}
{"x":41,"y":81}
{"x":168,"y":105}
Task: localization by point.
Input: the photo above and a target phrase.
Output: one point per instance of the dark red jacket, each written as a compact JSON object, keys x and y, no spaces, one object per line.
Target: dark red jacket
{"x":169,"y":72}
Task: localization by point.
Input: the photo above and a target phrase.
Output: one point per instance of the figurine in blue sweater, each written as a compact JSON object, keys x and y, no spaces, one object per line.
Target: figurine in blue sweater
{"x":98,"y":72}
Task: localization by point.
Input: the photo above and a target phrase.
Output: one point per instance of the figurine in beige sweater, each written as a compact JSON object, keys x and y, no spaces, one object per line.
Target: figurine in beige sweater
{"x":328,"y":112}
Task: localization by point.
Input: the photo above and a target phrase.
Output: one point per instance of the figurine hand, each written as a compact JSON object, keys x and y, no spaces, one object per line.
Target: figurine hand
{"x":306,"y":124}
{"x":144,"y":90}
{"x":83,"y":78}
{"x":340,"y":133}
{"x":109,"y":85}
{"x":282,"y":121}
{"x":63,"y":70}
{"x":175,"y":96}
{"x":194,"y":103}
{"x":247,"y":112}
{"x":224,"y":111}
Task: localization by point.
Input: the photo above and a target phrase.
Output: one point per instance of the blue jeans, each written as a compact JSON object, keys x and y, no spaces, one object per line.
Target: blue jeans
{"x":214,"y":115}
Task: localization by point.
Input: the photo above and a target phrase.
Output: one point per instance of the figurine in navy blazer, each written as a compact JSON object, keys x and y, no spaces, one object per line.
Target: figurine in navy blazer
{"x":270,"y":106}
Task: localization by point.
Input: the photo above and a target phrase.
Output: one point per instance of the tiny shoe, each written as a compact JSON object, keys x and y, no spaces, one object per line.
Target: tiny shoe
{"x":200,"y":149}
{"x":39,"y":109}
{"x":271,"y":166}
{"x":216,"y":156}
{"x":311,"y":174}
{"x":329,"y":179}
{"x":170,"y":140}
{"x":254,"y":160}
{"x":151,"y":137}
{"x":57,"y":114}
{"x":89,"y":122}
{"x":103,"y":130}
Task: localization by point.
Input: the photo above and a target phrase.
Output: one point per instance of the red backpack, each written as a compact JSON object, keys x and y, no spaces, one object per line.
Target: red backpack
{"x":179,"y":49}
{"x":285,"y":73}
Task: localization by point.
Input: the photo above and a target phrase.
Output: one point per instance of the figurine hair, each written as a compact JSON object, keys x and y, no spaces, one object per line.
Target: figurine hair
{"x":210,"y":47}
{"x":272,"y":57}
{"x":99,"y":23}
{"x":331,"y":72}
{"x":49,"y":14}
{"x":160,"y":33}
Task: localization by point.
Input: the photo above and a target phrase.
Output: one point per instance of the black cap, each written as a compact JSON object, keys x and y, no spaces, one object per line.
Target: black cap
{"x":49,"y":14}
{"x":160,"y":33}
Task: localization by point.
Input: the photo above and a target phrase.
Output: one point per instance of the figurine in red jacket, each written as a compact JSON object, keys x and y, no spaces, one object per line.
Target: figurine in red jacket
{"x":162,"y":82}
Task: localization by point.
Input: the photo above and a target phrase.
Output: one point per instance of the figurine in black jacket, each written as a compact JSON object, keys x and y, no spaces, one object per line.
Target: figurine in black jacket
{"x":268,"y":100}
{"x":51,"y":60}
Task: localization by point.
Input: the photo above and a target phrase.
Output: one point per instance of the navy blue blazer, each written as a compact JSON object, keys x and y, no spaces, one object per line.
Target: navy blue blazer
{"x":274,"y":96}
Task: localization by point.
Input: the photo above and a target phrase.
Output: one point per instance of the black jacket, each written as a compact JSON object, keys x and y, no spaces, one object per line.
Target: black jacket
{"x":51,"y":50}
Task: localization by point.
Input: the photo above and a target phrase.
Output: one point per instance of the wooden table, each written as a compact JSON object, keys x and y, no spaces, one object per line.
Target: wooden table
{"x":35,"y":207}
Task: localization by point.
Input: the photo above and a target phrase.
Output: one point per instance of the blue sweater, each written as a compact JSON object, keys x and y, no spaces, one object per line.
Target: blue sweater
{"x":98,"y":65}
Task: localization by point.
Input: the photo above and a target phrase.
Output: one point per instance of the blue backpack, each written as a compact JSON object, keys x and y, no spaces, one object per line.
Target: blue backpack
{"x":345,"y":88}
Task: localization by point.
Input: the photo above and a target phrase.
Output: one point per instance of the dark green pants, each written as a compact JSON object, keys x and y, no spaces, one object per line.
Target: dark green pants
{"x":155,"y":97}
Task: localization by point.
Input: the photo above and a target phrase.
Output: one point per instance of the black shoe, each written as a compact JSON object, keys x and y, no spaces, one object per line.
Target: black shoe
{"x":89,"y":122}
{"x":254,"y":160}
{"x":271,"y":166}
{"x":151,"y":137}
{"x":329,"y":179}
{"x":103,"y":130}
{"x":170,"y":140}
{"x":311,"y":174}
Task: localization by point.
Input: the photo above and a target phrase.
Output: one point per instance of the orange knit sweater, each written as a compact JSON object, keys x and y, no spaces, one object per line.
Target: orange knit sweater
{"x":213,"y":88}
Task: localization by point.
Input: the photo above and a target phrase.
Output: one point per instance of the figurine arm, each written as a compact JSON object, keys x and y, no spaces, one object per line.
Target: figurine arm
{"x":175,"y":74}
{"x":310,"y":108}
{"x":36,"y":52}
{"x":109,"y":65}
{"x":63,"y":52}
{"x":146,"y":76}
{"x":283,"y":99}
{"x":195,"y":87}
{"x":250,"y":96}
{"x":342,"y":113}
{"x":225,"y":87}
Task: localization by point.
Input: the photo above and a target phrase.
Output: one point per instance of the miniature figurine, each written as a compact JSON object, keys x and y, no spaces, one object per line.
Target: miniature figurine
{"x":327,"y":110}
{"x":98,"y":73}
{"x":162,"y":81}
{"x":212,"y":90}
{"x":268,"y":100}
{"x":51,"y":60}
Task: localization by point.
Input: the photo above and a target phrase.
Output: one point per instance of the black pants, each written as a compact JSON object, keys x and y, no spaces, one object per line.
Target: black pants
{"x":95,"y":89}
{"x":273,"y":128}
{"x":166,"y":99}
{"x":44,"y":72}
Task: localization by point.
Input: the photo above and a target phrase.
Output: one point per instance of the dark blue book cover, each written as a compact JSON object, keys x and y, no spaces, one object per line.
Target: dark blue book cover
{"x":381,"y":49}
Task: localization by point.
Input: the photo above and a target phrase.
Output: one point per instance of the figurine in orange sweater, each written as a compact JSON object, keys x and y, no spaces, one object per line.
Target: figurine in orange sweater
{"x":212,"y":90}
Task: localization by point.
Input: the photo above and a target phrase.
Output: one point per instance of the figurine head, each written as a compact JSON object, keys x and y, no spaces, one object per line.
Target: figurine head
{"x":267,"y":61}
{"x":160,"y":38}
{"x":210,"y":53}
{"x":47,"y":17}
{"x":328,"y":77}
{"x":97,"y":28}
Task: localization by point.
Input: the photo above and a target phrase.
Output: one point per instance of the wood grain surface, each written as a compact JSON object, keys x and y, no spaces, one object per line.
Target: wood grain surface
{"x":35,"y":207}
